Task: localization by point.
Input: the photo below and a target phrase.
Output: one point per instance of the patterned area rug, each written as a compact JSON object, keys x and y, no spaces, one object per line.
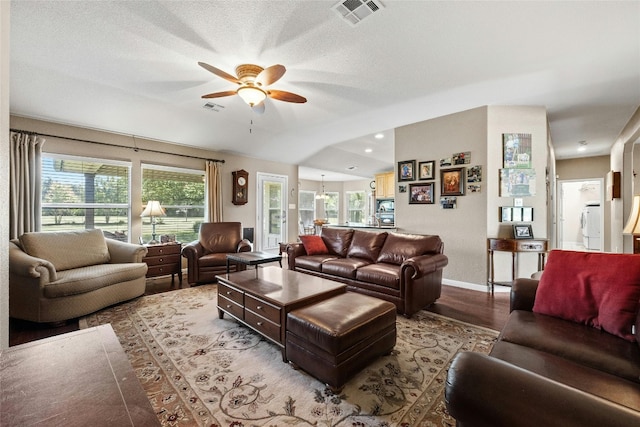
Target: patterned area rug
{"x":199,"y":370}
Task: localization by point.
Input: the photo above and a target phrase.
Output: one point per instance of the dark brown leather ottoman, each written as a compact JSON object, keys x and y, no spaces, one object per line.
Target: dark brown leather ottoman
{"x":336,"y":338}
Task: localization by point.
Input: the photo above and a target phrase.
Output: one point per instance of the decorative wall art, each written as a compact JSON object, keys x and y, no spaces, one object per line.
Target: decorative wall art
{"x":402,"y":188}
{"x":516,"y":214}
{"x":445,"y":162}
{"x":406,"y":170}
{"x":421,"y":193}
{"x":474,"y":174}
{"x":426,"y":169}
{"x":516,"y":150}
{"x":448,"y":202}
{"x":517,"y":182}
{"x":474,"y":188}
{"x":452,"y":182}
{"x":462,"y":158}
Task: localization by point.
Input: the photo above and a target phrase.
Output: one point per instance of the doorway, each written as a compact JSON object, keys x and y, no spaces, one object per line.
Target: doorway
{"x":271,"y":215}
{"x":581,"y":215}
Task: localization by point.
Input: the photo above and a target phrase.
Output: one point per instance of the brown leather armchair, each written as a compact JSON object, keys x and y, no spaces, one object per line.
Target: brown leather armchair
{"x":207,"y":256}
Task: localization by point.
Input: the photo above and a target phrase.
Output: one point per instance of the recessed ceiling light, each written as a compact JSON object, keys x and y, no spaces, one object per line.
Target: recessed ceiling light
{"x":368,"y":150}
{"x":379,"y":136}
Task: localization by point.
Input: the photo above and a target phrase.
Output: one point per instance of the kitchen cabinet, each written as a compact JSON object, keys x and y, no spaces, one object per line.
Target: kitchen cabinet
{"x":385,"y":185}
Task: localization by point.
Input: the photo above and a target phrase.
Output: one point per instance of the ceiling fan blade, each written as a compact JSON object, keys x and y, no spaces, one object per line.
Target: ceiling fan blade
{"x":219,"y":72}
{"x":282,"y":95}
{"x":270,"y":75}
{"x":220,"y":94}
{"x":259,"y":108}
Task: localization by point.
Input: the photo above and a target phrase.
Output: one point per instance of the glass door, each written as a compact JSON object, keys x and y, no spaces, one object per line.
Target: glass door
{"x":271,"y":212}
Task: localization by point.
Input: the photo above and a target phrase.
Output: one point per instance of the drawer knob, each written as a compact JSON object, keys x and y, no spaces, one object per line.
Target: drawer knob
{"x":258,"y":307}
{"x":161,"y":260}
{"x":259,"y":323}
{"x":228,"y":305}
{"x":228,"y":292}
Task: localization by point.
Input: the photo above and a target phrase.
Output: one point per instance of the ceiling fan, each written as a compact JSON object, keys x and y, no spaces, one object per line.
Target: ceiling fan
{"x":253,"y":81}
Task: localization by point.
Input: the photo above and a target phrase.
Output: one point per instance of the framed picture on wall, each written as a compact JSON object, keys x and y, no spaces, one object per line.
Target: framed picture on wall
{"x":452,"y":182}
{"x":421,"y":193}
{"x":516,"y":150}
{"x":407,"y":170}
{"x":426,"y":169}
{"x":522,"y":231}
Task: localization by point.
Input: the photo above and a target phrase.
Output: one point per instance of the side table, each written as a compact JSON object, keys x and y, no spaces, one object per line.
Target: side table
{"x":514,"y":246}
{"x":164,"y":259}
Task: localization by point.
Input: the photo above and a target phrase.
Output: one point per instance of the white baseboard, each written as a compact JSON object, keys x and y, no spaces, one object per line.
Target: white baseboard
{"x":475,"y":286}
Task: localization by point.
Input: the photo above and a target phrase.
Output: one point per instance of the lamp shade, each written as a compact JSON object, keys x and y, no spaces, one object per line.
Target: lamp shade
{"x":633,"y":223}
{"x":252,"y":95}
{"x":153,"y":209}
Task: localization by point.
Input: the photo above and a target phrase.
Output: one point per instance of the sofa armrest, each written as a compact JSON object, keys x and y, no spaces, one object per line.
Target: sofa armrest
{"x":124,"y":252}
{"x":425,"y":264}
{"x":24,"y":265}
{"x":485,"y":391}
{"x":294,"y":250}
{"x":523,"y":294}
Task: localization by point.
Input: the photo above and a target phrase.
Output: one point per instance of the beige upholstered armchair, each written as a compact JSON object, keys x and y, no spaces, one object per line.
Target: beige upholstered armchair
{"x":207,"y":256}
{"x":57,"y":276}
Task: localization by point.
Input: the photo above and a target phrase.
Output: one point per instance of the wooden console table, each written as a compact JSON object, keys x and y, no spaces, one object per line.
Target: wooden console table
{"x":539,"y":246}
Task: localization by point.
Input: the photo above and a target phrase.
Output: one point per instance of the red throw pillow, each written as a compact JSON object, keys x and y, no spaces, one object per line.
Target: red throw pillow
{"x":596,"y":289}
{"x":314,"y":245}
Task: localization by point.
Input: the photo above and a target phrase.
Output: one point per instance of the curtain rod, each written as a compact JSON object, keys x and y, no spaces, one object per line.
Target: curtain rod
{"x":134,"y":148}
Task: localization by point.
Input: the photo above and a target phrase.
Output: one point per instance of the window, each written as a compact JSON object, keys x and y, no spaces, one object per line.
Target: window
{"x":181,"y":194}
{"x":331,"y":206}
{"x":82,"y":193}
{"x":356,"y":202}
{"x":307,"y":207}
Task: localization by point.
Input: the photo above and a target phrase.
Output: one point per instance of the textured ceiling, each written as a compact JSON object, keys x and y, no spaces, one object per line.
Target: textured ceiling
{"x":131,"y":67}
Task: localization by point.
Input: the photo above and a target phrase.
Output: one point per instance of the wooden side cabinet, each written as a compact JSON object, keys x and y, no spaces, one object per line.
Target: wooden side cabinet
{"x":164,"y":259}
{"x":515,"y":246}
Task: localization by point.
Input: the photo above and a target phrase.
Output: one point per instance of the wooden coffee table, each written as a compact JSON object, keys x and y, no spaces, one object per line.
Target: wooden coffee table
{"x":261,"y":300}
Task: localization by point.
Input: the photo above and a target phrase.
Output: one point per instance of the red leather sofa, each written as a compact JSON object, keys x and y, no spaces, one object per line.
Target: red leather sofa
{"x":564,"y":368}
{"x":405,"y":269}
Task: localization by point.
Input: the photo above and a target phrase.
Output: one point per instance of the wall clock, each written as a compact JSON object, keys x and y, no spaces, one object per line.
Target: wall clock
{"x":240,"y":187}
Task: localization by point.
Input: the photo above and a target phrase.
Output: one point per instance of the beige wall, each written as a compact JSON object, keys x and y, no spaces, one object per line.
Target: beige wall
{"x":464,"y":230}
{"x":4,"y":173}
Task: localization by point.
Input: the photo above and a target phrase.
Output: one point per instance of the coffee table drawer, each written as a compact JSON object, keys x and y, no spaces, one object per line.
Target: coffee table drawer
{"x":262,"y":325}
{"x":262,"y":308}
{"x":231,"y":293}
{"x":230,"y":307}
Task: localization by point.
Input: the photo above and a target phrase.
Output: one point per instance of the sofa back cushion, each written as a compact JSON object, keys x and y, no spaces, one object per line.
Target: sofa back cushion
{"x":220,"y":237}
{"x":398,"y":248}
{"x":67,"y":249}
{"x":601,"y":290}
{"x":337,"y":240}
{"x":366,"y":245}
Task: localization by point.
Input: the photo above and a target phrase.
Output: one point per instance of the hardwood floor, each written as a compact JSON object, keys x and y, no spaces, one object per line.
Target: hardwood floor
{"x":475,"y":307}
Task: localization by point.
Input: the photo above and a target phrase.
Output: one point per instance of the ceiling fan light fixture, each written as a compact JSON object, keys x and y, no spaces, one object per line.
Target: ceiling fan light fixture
{"x":252,"y":95}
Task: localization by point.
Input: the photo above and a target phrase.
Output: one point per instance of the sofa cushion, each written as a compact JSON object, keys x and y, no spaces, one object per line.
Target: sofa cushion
{"x":67,"y":249}
{"x":343,"y":267}
{"x":314,"y":245}
{"x":337,"y":240}
{"x":398,"y":248}
{"x":383,"y":274}
{"x":312,"y":262}
{"x":573,"y":341}
{"x":601,"y":290}
{"x":86,"y":279}
{"x":366,"y":245}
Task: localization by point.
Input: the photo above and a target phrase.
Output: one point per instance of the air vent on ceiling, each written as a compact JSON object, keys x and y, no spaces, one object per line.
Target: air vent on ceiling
{"x":354,"y":11}
{"x":213,"y":106}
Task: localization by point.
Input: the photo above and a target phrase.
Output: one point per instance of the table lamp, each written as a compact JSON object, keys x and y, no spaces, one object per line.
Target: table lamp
{"x":153,"y":210}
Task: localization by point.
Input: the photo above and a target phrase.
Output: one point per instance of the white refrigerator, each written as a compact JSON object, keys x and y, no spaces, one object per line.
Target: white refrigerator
{"x":590,"y":222}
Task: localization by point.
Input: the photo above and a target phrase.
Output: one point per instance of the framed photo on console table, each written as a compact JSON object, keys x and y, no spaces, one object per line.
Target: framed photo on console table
{"x":522,"y":231}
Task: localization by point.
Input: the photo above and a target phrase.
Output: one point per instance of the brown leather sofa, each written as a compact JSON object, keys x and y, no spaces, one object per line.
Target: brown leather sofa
{"x":547,"y":371}
{"x":207,"y":256}
{"x":405,"y":269}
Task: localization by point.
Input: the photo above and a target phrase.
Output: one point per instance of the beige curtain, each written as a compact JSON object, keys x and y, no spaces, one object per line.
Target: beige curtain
{"x":25,"y":190}
{"x":213,"y":187}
